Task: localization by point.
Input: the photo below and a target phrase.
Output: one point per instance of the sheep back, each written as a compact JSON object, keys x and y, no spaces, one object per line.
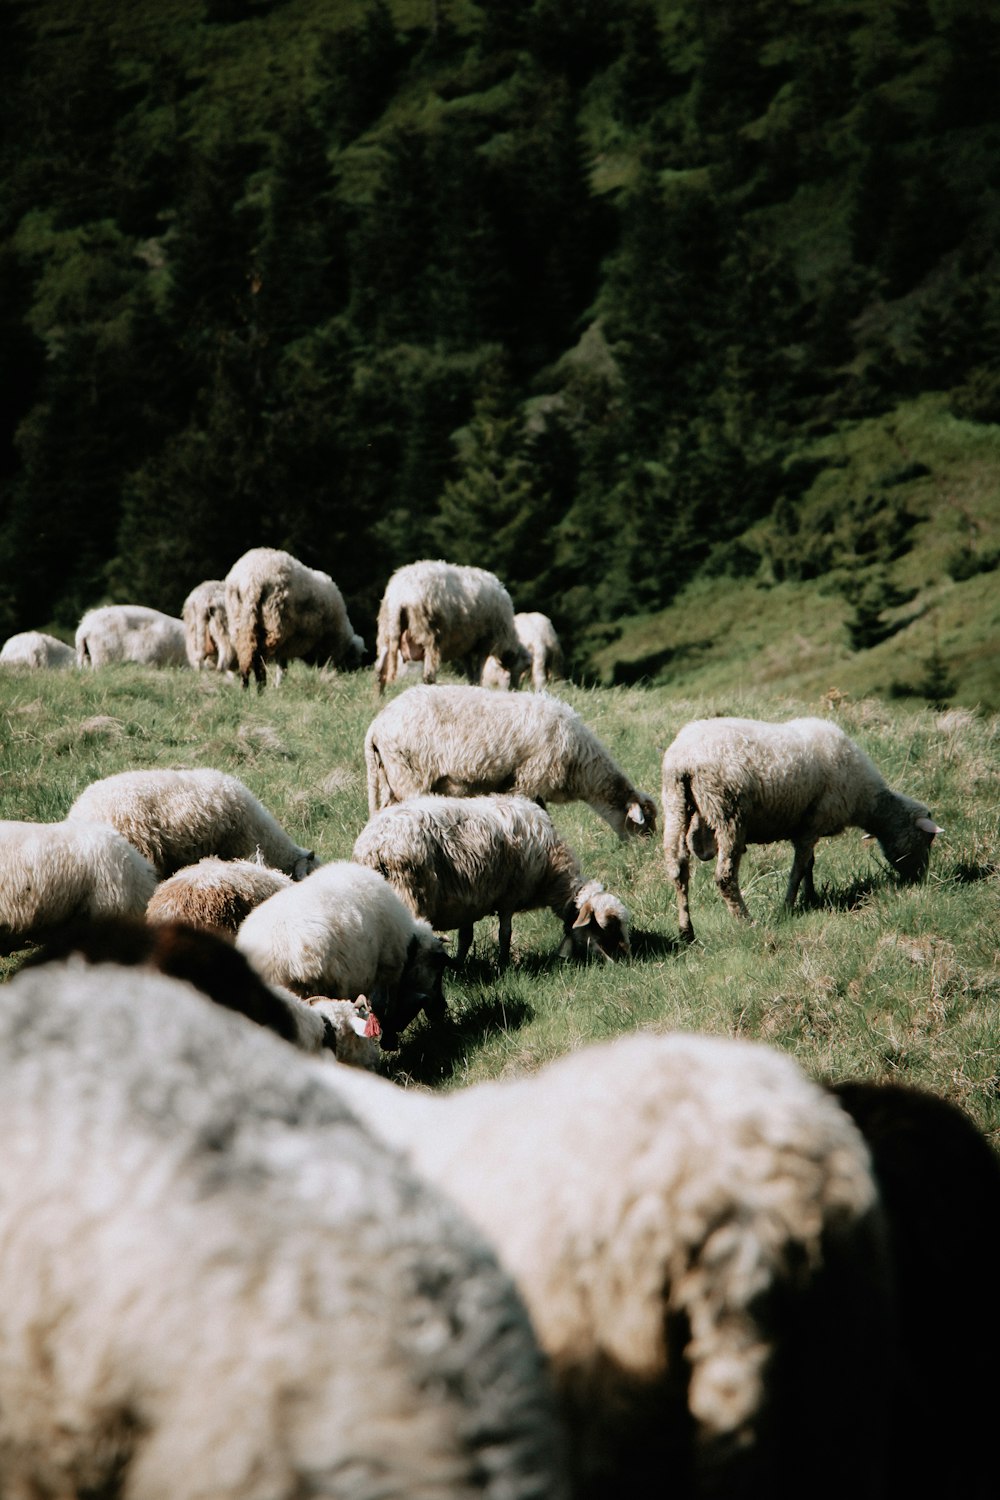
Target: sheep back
{"x":280,"y":610}
{"x":215,"y":893}
{"x":437,"y":611}
{"x":33,"y":648}
{"x":206,"y":627}
{"x":130,"y":632}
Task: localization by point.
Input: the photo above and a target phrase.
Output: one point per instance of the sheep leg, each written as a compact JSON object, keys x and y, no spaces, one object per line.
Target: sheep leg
{"x":464,"y":944}
{"x":801,"y":874}
{"x":727,"y":878}
{"x":506,"y":922}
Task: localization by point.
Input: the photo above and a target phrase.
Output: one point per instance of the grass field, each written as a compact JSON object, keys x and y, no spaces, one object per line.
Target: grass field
{"x":876,"y":981}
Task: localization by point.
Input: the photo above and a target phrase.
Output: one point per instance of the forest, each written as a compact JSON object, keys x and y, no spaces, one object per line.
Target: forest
{"x":564,"y":288}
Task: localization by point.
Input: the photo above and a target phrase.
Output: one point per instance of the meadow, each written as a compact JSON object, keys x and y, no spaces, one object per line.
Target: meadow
{"x":877,"y":980}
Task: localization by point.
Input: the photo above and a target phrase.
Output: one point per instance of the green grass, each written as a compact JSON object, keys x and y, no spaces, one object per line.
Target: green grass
{"x":878,"y":981}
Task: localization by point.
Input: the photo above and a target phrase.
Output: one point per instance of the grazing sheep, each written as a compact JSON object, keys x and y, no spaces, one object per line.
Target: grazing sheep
{"x":454,"y":860}
{"x":695,"y":1230}
{"x":344,"y":932}
{"x":33,"y":648}
{"x":279,"y":611}
{"x":177,"y":817}
{"x":215,"y":893}
{"x":538,"y":637}
{"x":435,"y":611}
{"x":130,"y":632}
{"x":206,"y":627}
{"x":939,"y":1181}
{"x":462,"y":741}
{"x":219,"y":1285}
{"x":53,"y":873}
{"x":732,"y":782}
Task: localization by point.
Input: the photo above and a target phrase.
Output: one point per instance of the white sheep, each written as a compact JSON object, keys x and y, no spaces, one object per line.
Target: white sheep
{"x":344,"y":932}
{"x":33,"y":648}
{"x":732,"y":782}
{"x":177,"y":817}
{"x":53,"y":873}
{"x":218,"y":1284}
{"x":538,"y":637}
{"x":279,"y":611}
{"x":206,"y":627}
{"x":215,"y":893}
{"x":130,"y":632}
{"x":434,"y":611}
{"x":462,"y":741}
{"x":454,"y":860}
{"x":694,"y":1227}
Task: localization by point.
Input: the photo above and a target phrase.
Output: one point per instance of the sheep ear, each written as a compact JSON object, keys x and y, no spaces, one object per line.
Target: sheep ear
{"x":927,"y":825}
{"x":868,"y":838}
{"x":634,"y":815}
{"x":585,"y":915}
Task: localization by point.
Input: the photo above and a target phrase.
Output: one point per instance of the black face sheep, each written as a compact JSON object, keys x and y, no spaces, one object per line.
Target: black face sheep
{"x":695,"y":1229}
{"x":279,"y":611}
{"x":434,"y":611}
{"x":728,"y":783}
{"x":130,"y":632}
{"x":55,"y":873}
{"x":344,"y":932}
{"x":175,"y":818}
{"x":538,"y":637}
{"x":454,"y":860}
{"x":219,"y":1285}
{"x":464,"y":741}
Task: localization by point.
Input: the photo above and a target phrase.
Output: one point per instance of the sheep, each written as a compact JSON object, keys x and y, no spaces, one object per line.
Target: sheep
{"x":208,"y":960}
{"x":462,"y":741}
{"x":344,"y":932}
{"x":694,"y":1227}
{"x":732,"y":782}
{"x":206,"y":627}
{"x":280,"y":610}
{"x":52,"y":873}
{"x":456,"y":859}
{"x":434,"y":611}
{"x":939,"y":1181}
{"x":218,"y":1284}
{"x":130,"y":632}
{"x":538,"y":637}
{"x":177,"y":817}
{"x":215,"y":893}
{"x":33,"y":648}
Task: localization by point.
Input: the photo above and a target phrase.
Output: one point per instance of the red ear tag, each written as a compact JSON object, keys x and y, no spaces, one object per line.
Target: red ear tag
{"x":372,"y":1027}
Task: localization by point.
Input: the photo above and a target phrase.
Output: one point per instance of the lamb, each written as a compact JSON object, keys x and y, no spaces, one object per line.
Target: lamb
{"x":344,"y":932}
{"x":695,"y":1229}
{"x":215,"y":893}
{"x":33,"y":648}
{"x":732,"y":782}
{"x":463,"y":741}
{"x":279,"y":610}
{"x":130,"y":632}
{"x":52,"y":873}
{"x":454,"y":860}
{"x":434,"y":611}
{"x":206,"y":627}
{"x":220,"y":1285}
{"x":175,"y":818}
{"x":538,"y":637}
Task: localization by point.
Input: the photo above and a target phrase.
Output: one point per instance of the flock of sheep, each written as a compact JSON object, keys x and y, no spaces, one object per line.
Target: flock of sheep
{"x":237,"y":1268}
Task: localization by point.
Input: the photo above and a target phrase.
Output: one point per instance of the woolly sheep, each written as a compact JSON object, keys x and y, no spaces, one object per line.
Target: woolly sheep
{"x":344,"y":932}
{"x":206,"y":627}
{"x":538,"y":637}
{"x":279,"y":610}
{"x":219,"y":1285}
{"x":695,"y":1230}
{"x":434,"y":611}
{"x":177,"y":817}
{"x":33,"y":648}
{"x":732,"y":782}
{"x":52,"y":873}
{"x":130,"y":632}
{"x":454,"y":860}
{"x":215,"y":893}
{"x":463,"y":741}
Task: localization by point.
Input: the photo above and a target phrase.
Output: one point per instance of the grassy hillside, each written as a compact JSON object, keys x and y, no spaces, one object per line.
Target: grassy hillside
{"x":918,"y":472}
{"x":878,"y":980}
